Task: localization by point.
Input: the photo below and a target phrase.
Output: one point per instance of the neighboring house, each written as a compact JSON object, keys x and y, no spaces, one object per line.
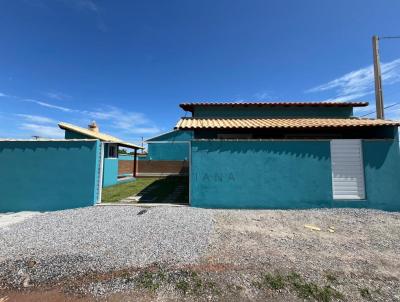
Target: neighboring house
{"x":109,"y":146}
{"x":168,"y":154}
{"x":290,"y":155}
{"x":56,"y":174}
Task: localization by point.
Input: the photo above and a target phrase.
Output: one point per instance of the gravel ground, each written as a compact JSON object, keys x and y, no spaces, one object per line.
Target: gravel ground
{"x":363,"y":252}
{"x":221,"y":255}
{"x":62,"y":244}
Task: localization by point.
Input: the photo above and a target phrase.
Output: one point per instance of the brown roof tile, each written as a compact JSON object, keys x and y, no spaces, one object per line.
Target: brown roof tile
{"x":264,"y":123}
{"x":190,"y":106}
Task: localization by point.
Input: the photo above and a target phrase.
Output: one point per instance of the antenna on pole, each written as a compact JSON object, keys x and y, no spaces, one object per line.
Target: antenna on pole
{"x":378,"y":79}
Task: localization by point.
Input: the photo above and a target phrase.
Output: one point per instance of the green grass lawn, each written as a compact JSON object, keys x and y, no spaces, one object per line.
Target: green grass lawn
{"x":157,"y":188}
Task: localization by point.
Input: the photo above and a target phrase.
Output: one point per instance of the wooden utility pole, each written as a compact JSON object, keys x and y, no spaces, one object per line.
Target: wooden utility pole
{"x":378,"y":79}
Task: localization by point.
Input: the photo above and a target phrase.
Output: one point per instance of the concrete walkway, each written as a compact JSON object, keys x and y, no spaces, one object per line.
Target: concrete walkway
{"x":7,"y":219}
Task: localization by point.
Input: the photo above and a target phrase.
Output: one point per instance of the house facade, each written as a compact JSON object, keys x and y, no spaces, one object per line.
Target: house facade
{"x":290,"y":155}
{"x":110,"y":174}
{"x":57,"y":174}
{"x":167,"y":154}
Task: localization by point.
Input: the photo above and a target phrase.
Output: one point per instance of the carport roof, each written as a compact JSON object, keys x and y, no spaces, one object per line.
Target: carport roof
{"x":268,"y":123}
{"x":97,"y":135}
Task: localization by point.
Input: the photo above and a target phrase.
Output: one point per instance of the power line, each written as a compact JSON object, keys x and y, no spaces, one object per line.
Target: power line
{"x":392,"y":105}
{"x":389,"y":37}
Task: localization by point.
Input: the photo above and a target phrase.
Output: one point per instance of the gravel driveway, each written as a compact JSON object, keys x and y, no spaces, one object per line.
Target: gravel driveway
{"x":196,"y":254}
{"x":100,"y":239}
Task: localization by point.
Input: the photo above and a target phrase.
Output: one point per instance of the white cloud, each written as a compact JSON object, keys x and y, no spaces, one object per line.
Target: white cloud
{"x":37,"y":119}
{"x":87,"y":4}
{"x":56,"y":95}
{"x":146,"y":131}
{"x":359,"y":83}
{"x":91,"y":7}
{"x":42,"y":131}
{"x":4,"y":95}
{"x":122,"y":121}
{"x":82,"y":5}
{"x":126,"y":121}
{"x":262,"y":96}
{"x":48,"y":105}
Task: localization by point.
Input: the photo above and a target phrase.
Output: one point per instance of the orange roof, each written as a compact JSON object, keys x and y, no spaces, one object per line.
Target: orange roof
{"x":265,"y":123}
{"x":190,"y":106}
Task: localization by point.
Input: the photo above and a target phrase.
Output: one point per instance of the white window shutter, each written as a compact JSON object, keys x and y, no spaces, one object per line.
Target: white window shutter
{"x":347,"y":169}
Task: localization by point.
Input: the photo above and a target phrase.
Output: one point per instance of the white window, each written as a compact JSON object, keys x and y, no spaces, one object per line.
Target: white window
{"x":347,"y":169}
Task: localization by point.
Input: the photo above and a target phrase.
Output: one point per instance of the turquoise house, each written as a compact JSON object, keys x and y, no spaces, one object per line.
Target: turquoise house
{"x":109,"y":146}
{"x":290,"y":155}
{"x":57,"y":174}
{"x":167,"y":154}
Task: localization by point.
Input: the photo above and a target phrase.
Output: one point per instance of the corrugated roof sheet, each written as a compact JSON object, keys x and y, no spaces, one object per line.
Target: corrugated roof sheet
{"x":190,"y":106}
{"x":261,"y":123}
{"x":97,"y":135}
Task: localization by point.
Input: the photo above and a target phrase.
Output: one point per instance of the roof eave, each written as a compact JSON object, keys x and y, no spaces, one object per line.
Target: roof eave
{"x":190,"y":106}
{"x":287,"y":127}
{"x":63,"y":126}
{"x":128,"y":146}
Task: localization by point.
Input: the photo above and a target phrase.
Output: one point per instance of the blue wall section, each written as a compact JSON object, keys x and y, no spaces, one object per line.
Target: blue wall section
{"x":260,"y":112}
{"x":173,"y":145}
{"x":168,"y":151}
{"x":130,"y":157}
{"x":286,"y":175}
{"x":382,"y":174}
{"x":125,"y":157}
{"x":47,"y":175}
{"x":227,"y":174}
{"x":110,"y":172}
{"x":176,"y":135}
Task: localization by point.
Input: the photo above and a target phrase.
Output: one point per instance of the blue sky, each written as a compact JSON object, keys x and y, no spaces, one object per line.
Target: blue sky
{"x":128,"y":64}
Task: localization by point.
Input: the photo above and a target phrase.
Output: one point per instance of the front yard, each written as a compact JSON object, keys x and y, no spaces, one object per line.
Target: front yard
{"x":189,"y":254}
{"x":154,"y":189}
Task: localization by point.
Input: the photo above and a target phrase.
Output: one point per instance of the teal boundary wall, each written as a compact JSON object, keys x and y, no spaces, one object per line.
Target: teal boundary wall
{"x":175,"y":135}
{"x":169,"y":146}
{"x":168,"y":151}
{"x":259,"y":112}
{"x":110,"y":172}
{"x":48,"y":175}
{"x":287,"y":175}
